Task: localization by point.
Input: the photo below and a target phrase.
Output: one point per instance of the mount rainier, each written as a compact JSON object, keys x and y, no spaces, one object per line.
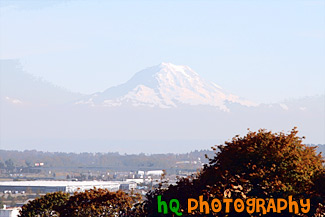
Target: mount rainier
{"x":160,"y":109}
{"x":165,"y":86}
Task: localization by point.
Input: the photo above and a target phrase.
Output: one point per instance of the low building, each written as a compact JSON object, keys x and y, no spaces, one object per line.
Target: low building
{"x":9,"y":212}
{"x":128,"y":186}
{"x":138,"y":181}
{"x":54,"y":186}
{"x":155,"y":172}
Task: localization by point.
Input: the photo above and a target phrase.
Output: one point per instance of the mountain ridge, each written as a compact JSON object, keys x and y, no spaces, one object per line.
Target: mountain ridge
{"x":63,"y":125}
{"x":19,"y":87}
{"x":165,"y":86}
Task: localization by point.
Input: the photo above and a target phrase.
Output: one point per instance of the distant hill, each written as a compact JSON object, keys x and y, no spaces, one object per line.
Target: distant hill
{"x":19,"y":87}
{"x":116,"y":161}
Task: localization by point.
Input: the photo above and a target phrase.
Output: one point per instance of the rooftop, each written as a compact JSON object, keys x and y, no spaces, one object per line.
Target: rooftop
{"x":57,"y":183}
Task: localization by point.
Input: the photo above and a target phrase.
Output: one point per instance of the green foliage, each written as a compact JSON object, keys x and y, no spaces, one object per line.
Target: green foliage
{"x":1,"y":202}
{"x":10,"y":165}
{"x":2,"y":165}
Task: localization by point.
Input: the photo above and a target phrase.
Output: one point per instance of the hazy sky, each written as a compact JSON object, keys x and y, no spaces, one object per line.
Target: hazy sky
{"x":261,"y":50}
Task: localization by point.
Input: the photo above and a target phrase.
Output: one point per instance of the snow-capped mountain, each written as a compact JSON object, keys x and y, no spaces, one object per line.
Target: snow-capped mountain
{"x":165,"y":86}
{"x":36,"y":114}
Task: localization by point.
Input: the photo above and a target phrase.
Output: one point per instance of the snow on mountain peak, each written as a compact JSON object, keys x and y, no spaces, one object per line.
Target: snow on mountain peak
{"x":165,"y":85}
{"x":177,"y":68}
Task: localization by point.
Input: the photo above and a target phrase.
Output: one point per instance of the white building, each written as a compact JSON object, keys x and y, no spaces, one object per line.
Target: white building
{"x":128,"y":186}
{"x":9,"y":212}
{"x":138,"y":181}
{"x":155,"y":172}
{"x":53,"y":186}
{"x":140,"y":174}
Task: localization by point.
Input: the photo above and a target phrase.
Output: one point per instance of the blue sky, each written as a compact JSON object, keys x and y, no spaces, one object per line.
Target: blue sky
{"x":265,"y":51}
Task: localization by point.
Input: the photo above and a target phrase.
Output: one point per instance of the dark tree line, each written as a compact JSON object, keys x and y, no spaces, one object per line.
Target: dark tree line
{"x":113,"y":161}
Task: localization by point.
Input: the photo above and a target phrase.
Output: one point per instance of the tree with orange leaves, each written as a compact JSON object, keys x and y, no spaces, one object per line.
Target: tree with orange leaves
{"x":259,"y":165}
{"x":100,"y":202}
{"x":47,"y":205}
{"x":94,"y":202}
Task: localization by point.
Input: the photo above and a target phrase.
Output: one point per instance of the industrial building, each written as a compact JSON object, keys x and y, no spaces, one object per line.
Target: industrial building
{"x":128,"y":186}
{"x":9,"y":212}
{"x":53,"y":186}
